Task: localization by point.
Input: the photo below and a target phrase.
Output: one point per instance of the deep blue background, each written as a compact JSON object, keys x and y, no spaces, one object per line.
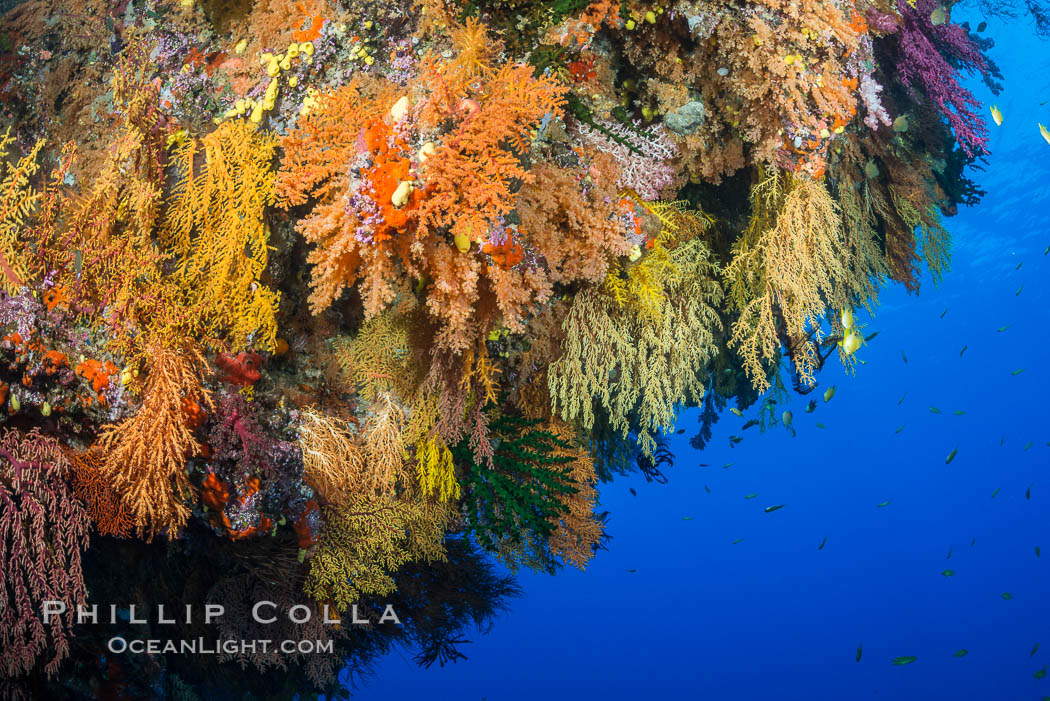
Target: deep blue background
{"x":774,"y":618}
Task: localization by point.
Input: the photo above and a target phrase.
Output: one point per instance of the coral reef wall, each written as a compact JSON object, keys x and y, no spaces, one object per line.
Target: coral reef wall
{"x":311,"y":300}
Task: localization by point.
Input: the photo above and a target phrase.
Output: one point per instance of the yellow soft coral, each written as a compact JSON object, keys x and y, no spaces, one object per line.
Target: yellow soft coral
{"x":216,"y":229}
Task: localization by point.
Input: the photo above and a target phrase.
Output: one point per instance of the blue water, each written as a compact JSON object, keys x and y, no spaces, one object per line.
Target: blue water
{"x":773,"y":617}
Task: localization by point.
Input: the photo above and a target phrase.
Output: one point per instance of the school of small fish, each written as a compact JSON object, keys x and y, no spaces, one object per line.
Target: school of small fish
{"x":787,"y":418}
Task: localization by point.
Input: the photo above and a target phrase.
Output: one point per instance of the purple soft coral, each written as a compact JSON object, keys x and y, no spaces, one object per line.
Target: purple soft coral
{"x":925,"y":52}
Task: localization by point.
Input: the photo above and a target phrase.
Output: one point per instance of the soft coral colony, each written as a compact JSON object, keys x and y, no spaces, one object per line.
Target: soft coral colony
{"x":332,"y":293}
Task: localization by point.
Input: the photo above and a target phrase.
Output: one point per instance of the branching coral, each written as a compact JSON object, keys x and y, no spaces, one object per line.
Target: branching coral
{"x":534,"y":503}
{"x":215,"y":227}
{"x":389,"y":213}
{"x":786,"y":272}
{"x":108,"y":511}
{"x":17,"y":202}
{"x":578,"y":532}
{"x":923,"y":46}
{"x":635,"y":348}
{"x":106,"y":257}
{"x":333,"y":463}
{"x":145,"y":456}
{"x":781,"y":77}
{"x":366,"y":540}
{"x":572,"y":220}
{"x":43,"y":531}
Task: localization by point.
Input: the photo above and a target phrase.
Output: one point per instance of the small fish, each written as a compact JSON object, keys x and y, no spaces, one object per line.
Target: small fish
{"x":733,"y":440}
{"x":949,"y":553}
{"x":996,"y":492}
{"x":900,"y":124}
{"x":1028,"y":492}
{"x":860,"y":651}
{"x":786,"y":417}
{"x":958,"y":412}
{"x":1007,"y":596}
{"x":944,"y":312}
{"x":1002,"y":438}
{"x":963,"y":351}
{"x":738,"y":540}
{"x":1037,"y":552}
{"x":1002,"y":328}
{"x":631,"y":571}
{"x":948,"y":573}
{"x":774,"y":508}
{"x":997,"y":115}
{"x":904,"y":660}
{"x":78,"y":262}
{"x":1045,"y":132}
{"x":981,"y":27}
{"x":820,"y":425}
{"x":749,"y":424}
{"x":1019,"y":265}
{"x":1018,"y":293}
{"x":972,"y":541}
{"x":961,"y":652}
{"x":884,"y":503}
{"x":900,"y":428}
{"x":736,"y":411}
{"x":1035,"y":648}
{"x":1039,"y":673}
{"x":904,"y":357}
{"x":727,"y":466}
{"x":901,"y":400}
{"x":829,"y":393}
{"x":1027,"y":445}
{"x":633,"y":493}
{"x":687,"y":518}
{"x":822,"y":543}
{"x":871,"y":336}
{"x":812,"y":406}
{"x":751,"y":495}
{"x":871,"y":170}
{"x":951,"y":456}
{"x":681,"y":431}
{"x":707,"y":489}
{"x":1017,"y":372}
{"x":934,"y":410}
{"x":705,"y":464}
{"x":938,"y":17}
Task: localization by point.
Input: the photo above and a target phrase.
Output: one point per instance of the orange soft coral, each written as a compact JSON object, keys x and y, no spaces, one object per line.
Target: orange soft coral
{"x":214,"y":493}
{"x":241,"y":369}
{"x":390,"y":215}
{"x":56,"y":297}
{"x":303,"y":532}
{"x":311,"y":32}
{"x":53,"y":361}
{"x":98,"y":373}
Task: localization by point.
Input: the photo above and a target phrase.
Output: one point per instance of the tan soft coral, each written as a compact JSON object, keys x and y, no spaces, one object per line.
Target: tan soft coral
{"x":572,"y":225}
{"x":777,"y":78}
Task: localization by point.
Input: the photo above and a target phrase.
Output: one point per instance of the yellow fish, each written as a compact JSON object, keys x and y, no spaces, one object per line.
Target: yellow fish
{"x":1045,"y":132}
{"x":997,"y":116}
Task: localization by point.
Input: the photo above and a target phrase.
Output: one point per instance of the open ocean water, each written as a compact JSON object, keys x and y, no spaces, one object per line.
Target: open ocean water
{"x":773,"y":616}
